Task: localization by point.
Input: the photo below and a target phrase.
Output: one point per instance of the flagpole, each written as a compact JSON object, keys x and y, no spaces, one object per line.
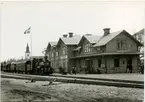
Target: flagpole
{"x":31,"y":48}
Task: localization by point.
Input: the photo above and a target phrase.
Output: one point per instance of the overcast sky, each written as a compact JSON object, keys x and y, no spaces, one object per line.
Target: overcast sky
{"x":50,"y":20}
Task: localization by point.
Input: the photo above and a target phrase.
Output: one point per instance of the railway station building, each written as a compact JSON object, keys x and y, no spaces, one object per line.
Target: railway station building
{"x":109,"y":53}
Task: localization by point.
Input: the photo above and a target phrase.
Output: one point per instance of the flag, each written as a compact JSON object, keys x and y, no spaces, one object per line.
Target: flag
{"x":27,"y":31}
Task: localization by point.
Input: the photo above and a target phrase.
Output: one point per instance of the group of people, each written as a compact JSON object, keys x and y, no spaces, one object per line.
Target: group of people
{"x":129,"y":68}
{"x":141,"y":68}
{"x":62,"y":70}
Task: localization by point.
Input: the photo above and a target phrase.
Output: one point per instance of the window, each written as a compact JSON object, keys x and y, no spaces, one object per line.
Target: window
{"x":87,"y":48}
{"x":118,"y":44}
{"x":124,"y":44}
{"x":56,"y":54}
{"x":98,"y":49}
{"x":64,"y":50}
{"x":52,"y":55}
{"x":121,"y":44}
{"x":116,"y":62}
{"x":99,"y":62}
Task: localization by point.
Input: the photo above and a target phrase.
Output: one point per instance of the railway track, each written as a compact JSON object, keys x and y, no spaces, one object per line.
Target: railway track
{"x":78,"y":80}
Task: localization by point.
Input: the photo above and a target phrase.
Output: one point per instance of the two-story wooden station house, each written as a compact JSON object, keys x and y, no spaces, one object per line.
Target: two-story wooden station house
{"x":109,"y":53}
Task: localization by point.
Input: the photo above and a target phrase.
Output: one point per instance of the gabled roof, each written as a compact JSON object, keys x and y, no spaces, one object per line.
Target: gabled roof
{"x":70,"y":40}
{"x":52,"y":43}
{"x":92,"y":38}
{"x":105,"y":39}
{"x":140,"y":32}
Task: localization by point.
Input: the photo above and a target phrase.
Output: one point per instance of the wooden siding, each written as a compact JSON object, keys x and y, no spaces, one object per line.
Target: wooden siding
{"x":112,"y":45}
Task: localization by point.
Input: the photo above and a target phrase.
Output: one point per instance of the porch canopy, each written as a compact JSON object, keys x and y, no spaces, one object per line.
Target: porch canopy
{"x":106,"y":54}
{"x":78,"y":48}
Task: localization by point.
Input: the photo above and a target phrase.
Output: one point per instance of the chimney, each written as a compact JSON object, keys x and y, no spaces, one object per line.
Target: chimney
{"x":106,"y":31}
{"x":65,"y":35}
{"x":88,"y":34}
{"x":70,"y":34}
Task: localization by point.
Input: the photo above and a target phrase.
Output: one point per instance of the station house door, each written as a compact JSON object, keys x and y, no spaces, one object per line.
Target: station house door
{"x":129,"y":60}
{"x":89,"y":64}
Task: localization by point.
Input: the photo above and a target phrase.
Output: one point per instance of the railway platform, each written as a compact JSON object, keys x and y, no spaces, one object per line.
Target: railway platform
{"x":88,"y":79}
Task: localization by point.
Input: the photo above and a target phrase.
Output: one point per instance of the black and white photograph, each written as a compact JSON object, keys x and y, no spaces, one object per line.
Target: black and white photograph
{"x":72,"y":51}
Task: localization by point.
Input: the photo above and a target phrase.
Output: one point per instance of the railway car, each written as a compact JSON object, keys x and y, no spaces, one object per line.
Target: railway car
{"x":23,"y":67}
{"x":8,"y":67}
{"x":3,"y":66}
{"x":20,"y":67}
{"x":13,"y":67}
{"x":28,"y":68}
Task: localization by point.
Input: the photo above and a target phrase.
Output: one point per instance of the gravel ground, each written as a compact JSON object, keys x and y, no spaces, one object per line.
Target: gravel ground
{"x":25,"y":91}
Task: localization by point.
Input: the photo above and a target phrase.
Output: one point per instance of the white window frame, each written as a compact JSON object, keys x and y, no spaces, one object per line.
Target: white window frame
{"x":52,"y":54}
{"x":56,"y":53}
{"x":64,"y":51}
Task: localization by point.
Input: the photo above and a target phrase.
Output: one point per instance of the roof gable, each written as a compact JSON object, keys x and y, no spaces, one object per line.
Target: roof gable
{"x":134,"y":39}
{"x":70,"y":40}
{"x":50,"y":44}
{"x":53,"y":43}
{"x":59,"y":42}
{"x":90,"y":38}
{"x":106,"y":39}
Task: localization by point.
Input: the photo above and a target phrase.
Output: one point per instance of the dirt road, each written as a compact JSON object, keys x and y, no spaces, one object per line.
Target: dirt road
{"x":26,"y":91}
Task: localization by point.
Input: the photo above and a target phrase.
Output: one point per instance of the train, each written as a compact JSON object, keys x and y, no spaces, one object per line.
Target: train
{"x":27,"y":67}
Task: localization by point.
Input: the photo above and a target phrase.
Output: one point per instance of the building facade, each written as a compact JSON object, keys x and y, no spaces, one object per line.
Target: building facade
{"x":109,"y":53}
{"x":59,"y":52}
{"x":51,"y":54}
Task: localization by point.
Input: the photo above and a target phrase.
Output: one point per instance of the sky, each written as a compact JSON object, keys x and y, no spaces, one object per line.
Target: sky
{"x":49,"y":20}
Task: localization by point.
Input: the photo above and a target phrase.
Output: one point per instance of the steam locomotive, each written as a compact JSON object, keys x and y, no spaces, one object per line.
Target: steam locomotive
{"x":28,"y":67}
